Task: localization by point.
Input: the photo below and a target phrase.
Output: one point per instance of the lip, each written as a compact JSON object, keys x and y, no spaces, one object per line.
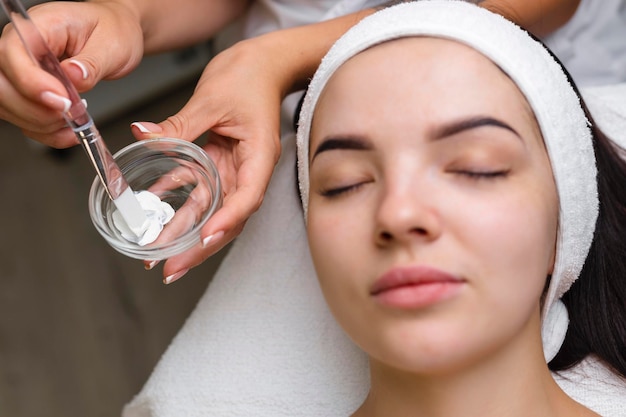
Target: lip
{"x":415,"y":287}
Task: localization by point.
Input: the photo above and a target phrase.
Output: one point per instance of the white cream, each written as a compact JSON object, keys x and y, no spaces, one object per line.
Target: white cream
{"x":130,"y":210}
{"x":157,"y":213}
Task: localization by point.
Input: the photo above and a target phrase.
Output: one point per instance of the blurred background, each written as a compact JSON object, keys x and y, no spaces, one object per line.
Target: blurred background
{"x":82,"y":326}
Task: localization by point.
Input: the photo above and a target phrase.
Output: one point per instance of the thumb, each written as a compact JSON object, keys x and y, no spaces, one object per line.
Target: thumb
{"x":193,"y":120}
{"x":82,"y":72}
{"x":85,"y":70}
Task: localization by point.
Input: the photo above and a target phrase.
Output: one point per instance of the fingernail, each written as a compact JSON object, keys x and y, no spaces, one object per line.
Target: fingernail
{"x":174,"y":277}
{"x":81,"y":66}
{"x":84,"y":102}
{"x":215,"y":236}
{"x":56,"y":101}
{"x":151,"y":265}
{"x":147,"y":127}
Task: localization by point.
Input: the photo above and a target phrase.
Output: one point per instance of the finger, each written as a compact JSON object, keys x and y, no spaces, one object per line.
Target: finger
{"x":177,"y":266}
{"x":227,"y":222}
{"x":182,"y":222}
{"x":25,"y":75}
{"x":95,"y":63}
{"x":194,"y":119}
{"x":21,"y":111}
{"x":59,"y":139}
{"x":246,"y":196}
{"x":194,"y":211}
{"x":37,"y":121}
{"x":105,"y":43}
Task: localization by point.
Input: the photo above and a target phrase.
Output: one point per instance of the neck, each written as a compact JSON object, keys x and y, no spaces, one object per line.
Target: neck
{"x":513,"y":381}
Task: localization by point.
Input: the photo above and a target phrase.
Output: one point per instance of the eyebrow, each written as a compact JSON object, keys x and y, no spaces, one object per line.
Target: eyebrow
{"x":472,"y":123}
{"x":358,"y":143}
{"x":348,"y":142}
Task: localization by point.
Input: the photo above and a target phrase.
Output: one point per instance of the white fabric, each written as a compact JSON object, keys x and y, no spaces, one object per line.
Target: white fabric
{"x":592,"y":384}
{"x":261,"y":342}
{"x":592,"y":44}
{"x":607,"y":105}
{"x":553,"y":329}
{"x":267,"y":15}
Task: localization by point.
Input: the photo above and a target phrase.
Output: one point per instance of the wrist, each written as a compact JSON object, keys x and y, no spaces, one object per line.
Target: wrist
{"x":133,"y":8}
{"x":134,"y":12}
{"x":295,"y":53}
{"x":539,"y":17}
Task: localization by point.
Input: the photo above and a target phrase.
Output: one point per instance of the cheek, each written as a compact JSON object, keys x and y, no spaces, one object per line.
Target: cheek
{"x":336,"y":256}
{"x":329,"y":236}
{"x":518,"y":237}
{"x":320,"y":234}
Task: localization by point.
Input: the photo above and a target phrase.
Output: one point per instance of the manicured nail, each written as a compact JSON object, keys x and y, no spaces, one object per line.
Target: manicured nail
{"x":56,"y":101}
{"x":174,"y":277}
{"x":151,"y":265}
{"x":147,"y":127}
{"x":84,"y":102}
{"x":211,"y":238}
{"x":81,"y":66}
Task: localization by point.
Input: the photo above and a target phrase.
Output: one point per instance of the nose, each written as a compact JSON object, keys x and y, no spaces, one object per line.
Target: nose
{"x":407,"y":215}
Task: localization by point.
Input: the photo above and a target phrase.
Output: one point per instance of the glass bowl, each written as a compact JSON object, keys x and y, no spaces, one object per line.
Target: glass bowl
{"x":179,"y":173}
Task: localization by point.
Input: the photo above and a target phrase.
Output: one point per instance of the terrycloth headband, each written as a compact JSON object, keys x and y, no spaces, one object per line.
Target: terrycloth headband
{"x":542,"y":81}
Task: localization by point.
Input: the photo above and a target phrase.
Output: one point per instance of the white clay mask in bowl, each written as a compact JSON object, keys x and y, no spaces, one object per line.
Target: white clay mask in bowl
{"x":178,"y":188}
{"x":158,"y":213}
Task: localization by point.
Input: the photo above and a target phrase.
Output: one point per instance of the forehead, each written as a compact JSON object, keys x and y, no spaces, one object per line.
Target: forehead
{"x":420,"y":56}
{"x":419,"y":78}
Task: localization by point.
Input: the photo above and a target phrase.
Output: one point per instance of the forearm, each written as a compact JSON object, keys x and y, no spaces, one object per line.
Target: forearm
{"x":307,"y":45}
{"x":540,"y":17}
{"x":170,"y":24}
{"x":295,"y":53}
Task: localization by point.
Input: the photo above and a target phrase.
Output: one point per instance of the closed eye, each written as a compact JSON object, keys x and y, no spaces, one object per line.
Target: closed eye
{"x":338,"y":191}
{"x":483,"y":175}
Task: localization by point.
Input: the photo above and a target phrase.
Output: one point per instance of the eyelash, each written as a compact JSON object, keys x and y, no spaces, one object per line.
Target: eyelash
{"x":474,"y":175}
{"x":336,"y":192}
{"x":483,"y":175}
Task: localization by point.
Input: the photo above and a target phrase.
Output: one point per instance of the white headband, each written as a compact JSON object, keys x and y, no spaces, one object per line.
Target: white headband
{"x":542,"y":81}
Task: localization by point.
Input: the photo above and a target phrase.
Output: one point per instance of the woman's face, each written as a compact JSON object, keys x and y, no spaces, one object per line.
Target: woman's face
{"x":433,"y":211}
